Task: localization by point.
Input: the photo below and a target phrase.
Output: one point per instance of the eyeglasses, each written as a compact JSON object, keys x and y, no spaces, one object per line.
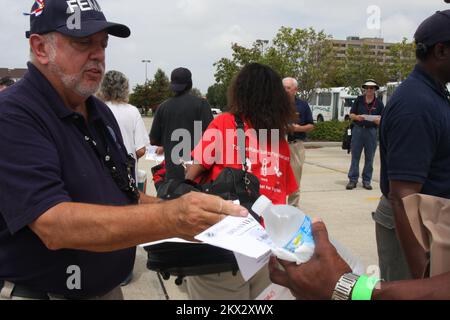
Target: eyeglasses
{"x":370,"y":88}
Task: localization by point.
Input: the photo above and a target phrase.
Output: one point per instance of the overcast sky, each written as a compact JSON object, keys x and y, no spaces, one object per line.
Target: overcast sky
{"x":197,"y":33}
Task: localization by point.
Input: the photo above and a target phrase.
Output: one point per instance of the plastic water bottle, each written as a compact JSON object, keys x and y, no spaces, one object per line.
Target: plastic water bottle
{"x":291,"y":232}
{"x":289,"y":229}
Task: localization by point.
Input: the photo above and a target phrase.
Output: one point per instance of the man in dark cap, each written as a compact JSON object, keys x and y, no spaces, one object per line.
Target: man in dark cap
{"x":70,"y":212}
{"x":179,"y":123}
{"x":415,"y":157}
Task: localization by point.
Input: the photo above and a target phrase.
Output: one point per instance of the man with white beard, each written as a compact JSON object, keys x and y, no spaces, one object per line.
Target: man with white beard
{"x":70,"y":211}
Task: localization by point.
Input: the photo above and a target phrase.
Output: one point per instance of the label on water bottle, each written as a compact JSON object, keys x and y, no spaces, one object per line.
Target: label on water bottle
{"x":302,"y":236}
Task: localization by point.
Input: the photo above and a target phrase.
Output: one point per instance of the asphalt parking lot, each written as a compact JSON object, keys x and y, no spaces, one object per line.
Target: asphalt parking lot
{"x":346,"y":213}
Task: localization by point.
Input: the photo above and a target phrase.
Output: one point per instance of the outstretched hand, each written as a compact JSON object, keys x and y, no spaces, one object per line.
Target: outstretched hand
{"x":316,"y":279}
{"x":195,"y":212}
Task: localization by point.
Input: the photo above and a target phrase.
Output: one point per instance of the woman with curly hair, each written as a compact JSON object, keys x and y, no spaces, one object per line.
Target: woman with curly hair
{"x":258,"y":98}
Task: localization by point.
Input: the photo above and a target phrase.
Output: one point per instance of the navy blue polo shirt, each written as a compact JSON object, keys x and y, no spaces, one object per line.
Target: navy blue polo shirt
{"x":44,"y":161}
{"x":305,"y":115}
{"x":415,"y":136}
{"x":360,"y":107}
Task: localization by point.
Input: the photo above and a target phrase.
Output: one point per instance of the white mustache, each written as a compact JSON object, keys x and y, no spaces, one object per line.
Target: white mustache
{"x":94,"y":65}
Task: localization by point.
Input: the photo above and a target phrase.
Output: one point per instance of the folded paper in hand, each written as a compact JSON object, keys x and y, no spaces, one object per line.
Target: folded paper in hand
{"x":246,"y":238}
{"x":371,"y":118}
{"x":152,"y":156}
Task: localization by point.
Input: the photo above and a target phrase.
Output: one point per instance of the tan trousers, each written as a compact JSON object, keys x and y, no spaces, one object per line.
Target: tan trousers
{"x":297,"y":162}
{"x":6,"y":294}
{"x":225,"y":286}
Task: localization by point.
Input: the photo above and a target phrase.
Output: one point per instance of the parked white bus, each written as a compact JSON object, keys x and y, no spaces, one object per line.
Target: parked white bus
{"x":386,"y":92}
{"x":331,"y":104}
{"x":335,"y":103}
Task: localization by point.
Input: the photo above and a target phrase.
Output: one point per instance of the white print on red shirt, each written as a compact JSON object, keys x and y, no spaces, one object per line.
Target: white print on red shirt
{"x":219,"y":150}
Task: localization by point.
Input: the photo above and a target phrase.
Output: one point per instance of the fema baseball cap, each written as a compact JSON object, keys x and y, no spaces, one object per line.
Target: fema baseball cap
{"x":180,"y":79}
{"x":75,"y":18}
{"x":434,"y":29}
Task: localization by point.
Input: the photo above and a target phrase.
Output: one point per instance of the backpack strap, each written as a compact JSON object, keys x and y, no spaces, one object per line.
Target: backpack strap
{"x":240,"y":130}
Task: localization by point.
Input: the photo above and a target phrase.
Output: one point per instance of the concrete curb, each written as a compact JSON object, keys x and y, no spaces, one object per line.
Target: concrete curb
{"x":322,"y":144}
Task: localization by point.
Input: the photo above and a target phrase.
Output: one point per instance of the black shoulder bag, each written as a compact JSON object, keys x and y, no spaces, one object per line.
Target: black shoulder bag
{"x":180,"y":259}
{"x":347,"y":138}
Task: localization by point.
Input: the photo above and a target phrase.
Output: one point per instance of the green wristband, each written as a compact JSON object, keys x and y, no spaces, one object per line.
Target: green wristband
{"x":364,"y":287}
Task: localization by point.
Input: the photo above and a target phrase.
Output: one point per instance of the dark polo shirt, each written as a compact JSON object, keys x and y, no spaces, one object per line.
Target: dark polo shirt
{"x":180,"y":114}
{"x":360,"y":107}
{"x":45,"y":160}
{"x":304,"y":118}
{"x":415,"y":136}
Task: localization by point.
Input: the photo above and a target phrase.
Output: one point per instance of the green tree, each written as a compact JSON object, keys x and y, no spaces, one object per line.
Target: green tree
{"x":227,"y":68}
{"x":159,"y":88}
{"x":403,"y":59}
{"x":360,"y":64}
{"x":151,"y":94}
{"x":196,"y":92}
{"x":304,"y":54}
{"x":217,"y":96}
{"x":141,"y":95}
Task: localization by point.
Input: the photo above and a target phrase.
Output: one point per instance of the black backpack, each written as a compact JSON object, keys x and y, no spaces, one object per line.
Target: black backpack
{"x":347,"y":138}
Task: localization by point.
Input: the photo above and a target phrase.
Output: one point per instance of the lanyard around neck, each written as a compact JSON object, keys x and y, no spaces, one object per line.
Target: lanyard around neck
{"x":370,"y":107}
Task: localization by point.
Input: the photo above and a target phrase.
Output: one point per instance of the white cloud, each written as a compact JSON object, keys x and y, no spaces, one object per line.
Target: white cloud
{"x":193,"y":9}
{"x":398,"y":26}
{"x":197,"y":33}
{"x":234,"y":34}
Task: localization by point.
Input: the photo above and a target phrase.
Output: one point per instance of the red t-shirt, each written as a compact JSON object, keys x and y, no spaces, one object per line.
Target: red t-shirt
{"x":218,"y":149}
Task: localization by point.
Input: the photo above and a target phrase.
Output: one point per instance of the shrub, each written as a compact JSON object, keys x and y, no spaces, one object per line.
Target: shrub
{"x":328,"y":131}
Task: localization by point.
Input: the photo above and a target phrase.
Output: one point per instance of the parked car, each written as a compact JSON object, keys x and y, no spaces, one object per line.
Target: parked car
{"x":216,"y":111}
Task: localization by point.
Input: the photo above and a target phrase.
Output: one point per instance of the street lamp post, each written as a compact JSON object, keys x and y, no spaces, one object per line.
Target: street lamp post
{"x":146,"y":63}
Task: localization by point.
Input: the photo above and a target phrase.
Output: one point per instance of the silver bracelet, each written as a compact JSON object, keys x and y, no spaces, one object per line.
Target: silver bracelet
{"x":344,"y":287}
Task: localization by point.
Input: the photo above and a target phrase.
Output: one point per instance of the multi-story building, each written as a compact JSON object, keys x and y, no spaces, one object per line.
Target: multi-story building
{"x":377,"y":47}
